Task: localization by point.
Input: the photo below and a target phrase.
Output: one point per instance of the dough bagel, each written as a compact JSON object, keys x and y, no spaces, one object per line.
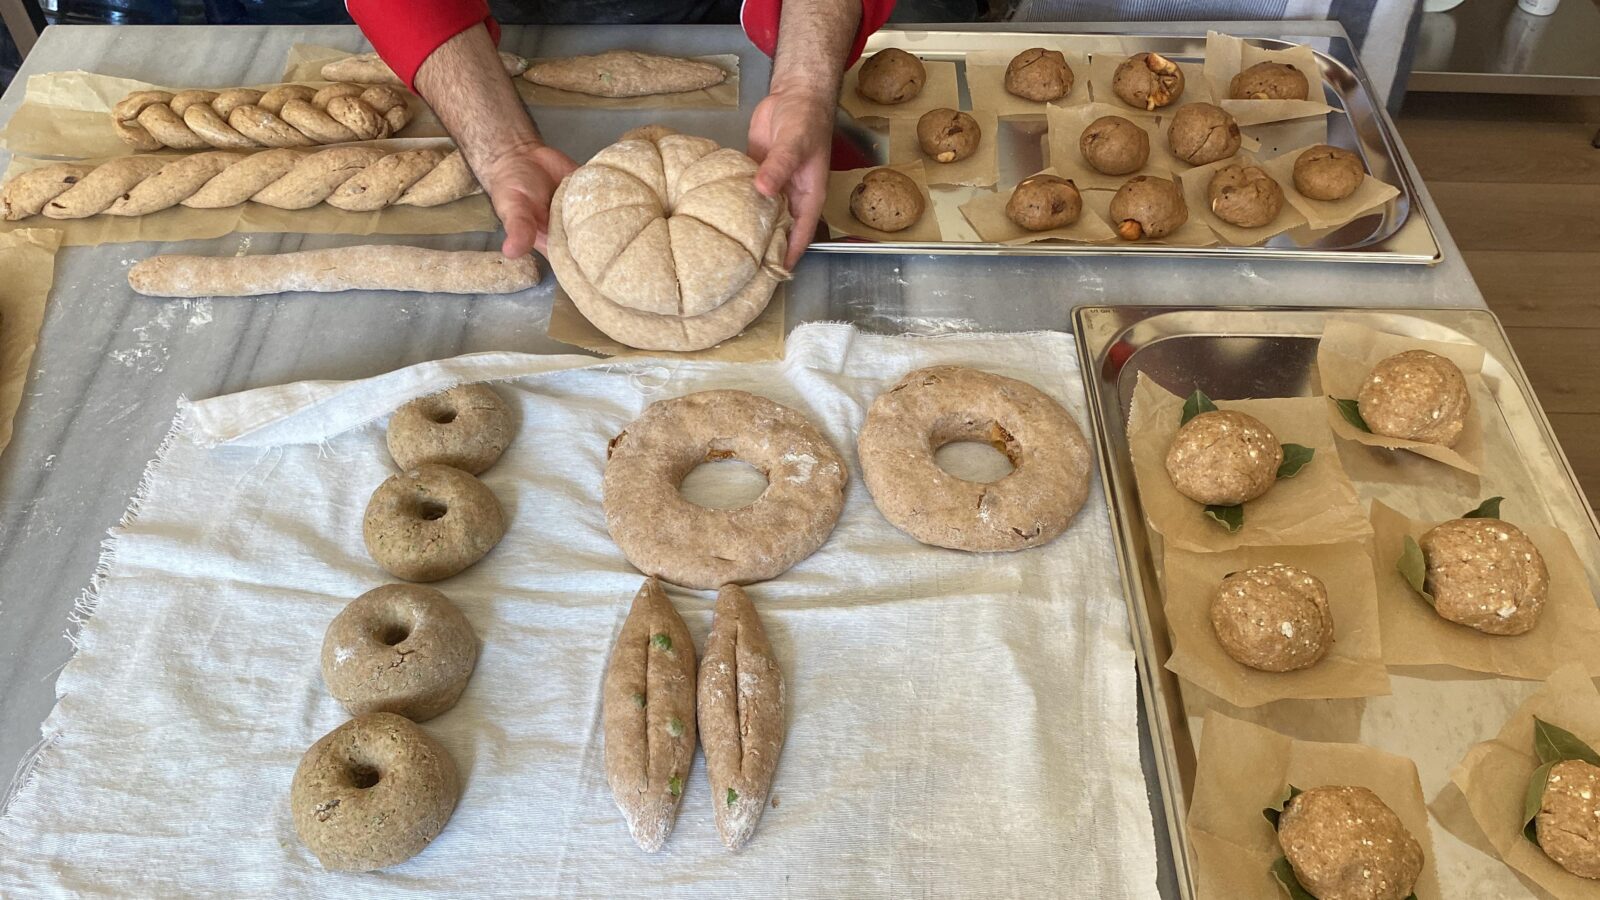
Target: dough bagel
{"x":665,"y":535}
{"x":931,"y":407}
{"x":400,"y":648}
{"x":466,"y":427}
{"x":431,"y":522}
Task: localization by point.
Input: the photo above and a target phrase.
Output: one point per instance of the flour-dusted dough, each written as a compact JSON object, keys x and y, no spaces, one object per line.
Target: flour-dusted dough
{"x":431,"y":522}
{"x":742,"y":719}
{"x":369,"y":68}
{"x":467,"y":427}
{"x":289,"y":115}
{"x":363,"y":268}
{"x":399,"y":648}
{"x":625,"y":73}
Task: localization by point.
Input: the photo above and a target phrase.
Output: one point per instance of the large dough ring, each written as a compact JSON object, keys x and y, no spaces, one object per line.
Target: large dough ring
{"x":467,"y":427}
{"x":665,"y":535}
{"x":932,"y":407}
{"x":400,"y":648}
{"x":431,"y":522}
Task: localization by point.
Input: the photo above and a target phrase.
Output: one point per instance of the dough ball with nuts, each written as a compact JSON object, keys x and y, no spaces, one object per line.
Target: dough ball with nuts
{"x":1568,"y":823}
{"x":1269,"y":81}
{"x":1148,"y":207}
{"x":1113,"y":145}
{"x":1147,"y":81}
{"x":1245,"y":196}
{"x":1201,"y":133}
{"x":891,"y":76}
{"x":1043,"y":202}
{"x":1416,"y":395}
{"x":1328,"y":173}
{"x":1485,"y":574}
{"x":1039,"y":74}
{"x":1273,"y":618}
{"x":948,"y":135}
{"x":886,"y":200}
{"x":1224,"y":458}
{"x":1345,"y":842}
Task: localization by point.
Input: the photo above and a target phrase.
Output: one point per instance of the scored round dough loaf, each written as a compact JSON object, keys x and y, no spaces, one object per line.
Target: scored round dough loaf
{"x":1345,"y":842}
{"x":1224,"y":458}
{"x":1203,"y":133}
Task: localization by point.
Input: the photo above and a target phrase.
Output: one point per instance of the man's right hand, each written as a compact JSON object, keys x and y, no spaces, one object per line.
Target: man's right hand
{"x":520,"y":182}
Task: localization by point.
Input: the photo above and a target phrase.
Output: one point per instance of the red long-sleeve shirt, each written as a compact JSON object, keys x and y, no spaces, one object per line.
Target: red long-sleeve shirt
{"x":405,"y":41}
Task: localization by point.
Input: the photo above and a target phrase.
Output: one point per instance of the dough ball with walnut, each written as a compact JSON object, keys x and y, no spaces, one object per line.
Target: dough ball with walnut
{"x":1568,"y":823}
{"x":948,"y":135}
{"x":1345,"y":842}
{"x":1273,"y":618}
{"x":1224,"y":458}
{"x":886,"y":200}
{"x":1147,"y":81}
{"x":1201,"y":133}
{"x":1485,"y":574}
{"x":1269,"y":81}
{"x":1148,"y":207}
{"x":1039,"y":74}
{"x":1416,"y":395}
{"x":1328,"y":173}
{"x":891,"y":76}
{"x":1245,"y":196}
{"x":1043,"y":202}
{"x":1113,"y":145}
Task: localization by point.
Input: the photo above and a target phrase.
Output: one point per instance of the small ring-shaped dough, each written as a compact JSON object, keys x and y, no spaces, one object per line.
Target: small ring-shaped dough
{"x":467,"y":427}
{"x":431,"y":522}
{"x":400,"y":648}
{"x":665,"y":535}
{"x":931,"y":407}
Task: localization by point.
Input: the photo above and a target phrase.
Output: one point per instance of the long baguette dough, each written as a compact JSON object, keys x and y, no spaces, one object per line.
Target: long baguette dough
{"x":363,"y":268}
{"x":369,"y":68}
{"x":625,"y":73}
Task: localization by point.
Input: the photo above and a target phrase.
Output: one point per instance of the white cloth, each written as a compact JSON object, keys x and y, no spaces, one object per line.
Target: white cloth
{"x":960,"y":725}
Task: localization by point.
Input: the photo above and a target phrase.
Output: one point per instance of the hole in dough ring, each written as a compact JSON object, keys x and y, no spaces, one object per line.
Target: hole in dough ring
{"x":400,"y":648}
{"x":931,"y":407}
{"x":431,"y":522}
{"x":665,"y":535}
{"x":466,"y":427}
{"x":372,"y":793}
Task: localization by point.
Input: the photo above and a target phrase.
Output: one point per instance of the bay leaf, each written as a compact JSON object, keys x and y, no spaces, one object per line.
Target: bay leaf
{"x":1295,"y":458}
{"x":1197,"y":403}
{"x":1351,"y":410}
{"x":1553,"y":744}
{"x":1488,"y":509}
{"x":1534,"y":799}
{"x":1284,"y":873}
{"x":1231,"y":517}
{"x":1414,"y":568}
{"x":1272,"y":813}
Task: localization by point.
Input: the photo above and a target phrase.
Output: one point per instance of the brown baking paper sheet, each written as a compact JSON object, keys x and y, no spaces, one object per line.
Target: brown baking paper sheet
{"x":1353,"y":666}
{"x":1192,"y":233}
{"x":1483,"y":804}
{"x":27,"y":267}
{"x":1346,"y":356}
{"x":1065,"y":130}
{"x":1103,"y":68}
{"x":1568,"y":629}
{"x":1317,"y":506}
{"x":68,"y":114}
{"x":1196,"y":185}
{"x":1368,"y":199}
{"x":986,"y":213}
{"x":981,"y":169}
{"x":1276,"y":138}
{"x":761,"y":340}
{"x":1227,"y":56}
{"x":986,"y":81}
{"x":1243,"y":769}
{"x":938,"y":91}
{"x":836,"y":208}
{"x":718,"y":96}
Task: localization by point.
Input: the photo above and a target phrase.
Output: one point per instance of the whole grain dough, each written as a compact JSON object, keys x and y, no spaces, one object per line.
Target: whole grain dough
{"x":891,"y":76}
{"x":1038,"y":74}
{"x":1114,"y":145}
{"x":1269,"y":81}
{"x":380,"y":267}
{"x":742,"y":719}
{"x":939,"y":405}
{"x":1485,"y":574}
{"x":1147,"y":81}
{"x":663,"y":534}
{"x":400,"y":648}
{"x":1203,"y":133}
{"x":1417,"y":395}
{"x":289,"y":115}
{"x":1042,"y":202}
{"x":372,"y":793}
{"x":1568,"y":823}
{"x":466,"y":427}
{"x":369,"y":68}
{"x":625,"y":73}
{"x":1148,"y":207}
{"x":948,"y":135}
{"x":1344,"y":843}
{"x":1224,"y":458}
{"x":1324,"y":172}
{"x":1274,"y":618}
{"x":1245,"y":196}
{"x":887,"y":200}
{"x":431,"y":522}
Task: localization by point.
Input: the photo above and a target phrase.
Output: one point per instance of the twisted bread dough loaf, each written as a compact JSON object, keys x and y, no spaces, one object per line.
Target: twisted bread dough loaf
{"x":364,"y":268}
{"x":289,"y":115}
{"x":357,"y":179}
{"x":369,"y":68}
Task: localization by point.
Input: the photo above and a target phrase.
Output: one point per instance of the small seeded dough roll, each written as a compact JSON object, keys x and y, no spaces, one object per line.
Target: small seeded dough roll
{"x":891,"y":76}
{"x":1040,"y":75}
{"x":1269,"y":81}
{"x":400,"y":648}
{"x":466,"y":427}
{"x":1043,"y":202}
{"x":1344,"y":843}
{"x":1202,"y":133}
{"x":1416,"y":395}
{"x":742,"y":723}
{"x":1245,"y":196}
{"x":431,"y":522}
{"x":1328,"y":173}
{"x":372,"y":793}
{"x":1569,"y":817}
{"x":1273,"y":618}
{"x":1147,"y":81}
{"x":1148,"y":207}
{"x":887,"y":200}
{"x":948,"y":135}
{"x":1485,"y":574}
{"x":1224,"y":458}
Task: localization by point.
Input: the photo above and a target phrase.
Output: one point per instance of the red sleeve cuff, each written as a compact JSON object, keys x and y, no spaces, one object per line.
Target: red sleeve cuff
{"x":760,"y":21}
{"x":405,"y":37}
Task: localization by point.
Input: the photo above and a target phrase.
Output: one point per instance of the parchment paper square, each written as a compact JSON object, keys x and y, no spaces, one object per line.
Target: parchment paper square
{"x":986,"y":213}
{"x":981,"y":169}
{"x":1227,"y":56}
{"x":1196,"y":184}
{"x":1368,"y":198}
{"x":986,"y":81}
{"x":939,"y":90}
{"x":836,"y":208}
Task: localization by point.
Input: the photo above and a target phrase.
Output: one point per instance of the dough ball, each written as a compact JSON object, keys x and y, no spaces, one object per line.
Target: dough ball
{"x":1485,"y":574}
{"x":891,"y":76}
{"x":1416,"y":395}
{"x":1224,"y":458}
{"x":886,"y":200}
{"x":1148,"y":207}
{"x":1269,"y":81}
{"x":1147,"y":81}
{"x":1273,"y":618}
{"x":1039,"y":74}
{"x":1201,"y":133}
{"x":1043,"y":202}
{"x":948,"y":135}
{"x":1569,"y":817}
{"x":1112,"y":145}
{"x":1328,"y":173}
{"x":1245,"y":196}
{"x":1343,"y":842}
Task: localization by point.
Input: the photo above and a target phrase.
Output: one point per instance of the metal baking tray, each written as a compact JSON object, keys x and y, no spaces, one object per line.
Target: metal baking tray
{"x":1400,"y":234}
{"x":1237,"y":353}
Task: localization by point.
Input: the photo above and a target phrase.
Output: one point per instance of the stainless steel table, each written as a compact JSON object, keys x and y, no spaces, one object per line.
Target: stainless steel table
{"x":111,"y":365}
{"x":1492,"y":47}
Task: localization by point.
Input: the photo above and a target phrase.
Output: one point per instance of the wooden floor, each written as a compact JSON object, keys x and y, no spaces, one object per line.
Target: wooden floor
{"x":1519,"y":186}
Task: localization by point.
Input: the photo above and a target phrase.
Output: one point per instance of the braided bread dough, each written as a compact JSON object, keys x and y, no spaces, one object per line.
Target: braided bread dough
{"x":363,"y":268}
{"x":625,"y":73}
{"x":369,"y":68}
{"x":290,"y":115}
{"x":356,"y":179}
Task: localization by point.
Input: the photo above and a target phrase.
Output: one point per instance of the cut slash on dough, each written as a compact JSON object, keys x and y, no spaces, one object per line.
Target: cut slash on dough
{"x":742,"y":715}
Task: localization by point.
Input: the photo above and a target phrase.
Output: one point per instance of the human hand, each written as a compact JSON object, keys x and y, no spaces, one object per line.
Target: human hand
{"x":520,"y":182}
{"x":791,"y":136}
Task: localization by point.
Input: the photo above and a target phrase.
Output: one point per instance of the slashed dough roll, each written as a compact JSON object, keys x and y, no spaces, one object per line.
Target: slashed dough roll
{"x":742,"y":716}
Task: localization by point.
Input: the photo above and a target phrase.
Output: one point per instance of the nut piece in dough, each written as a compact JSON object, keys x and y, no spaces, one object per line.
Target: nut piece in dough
{"x":1202,"y":133}
{"x":1273,"y":618}
{"x":1245,"y":196}
{"x":1147,"y":81}
{"x":948,"y":135}
{"x":741,"y":710}
{"x":1039,"y":74}
{"x":886,"y":200}
{"x":1113,"y":145}
{"x":1269,"y":81}
{"x":1569,"y":817}
{"x":1328,"y":173}
{"x":400,"y":648}
{"x":1485,"y":574}
{"x":1344,"y":843}
{"x":1416,"y":395}
{"x":891,"y":76}
{"x":1224,"y":458}
{"x":1148,"y":207}
{"x":466,"y":427}
{"x":1043,"y":202}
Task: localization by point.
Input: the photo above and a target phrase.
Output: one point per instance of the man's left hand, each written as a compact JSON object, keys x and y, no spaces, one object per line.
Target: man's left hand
{"x":791,"y":136}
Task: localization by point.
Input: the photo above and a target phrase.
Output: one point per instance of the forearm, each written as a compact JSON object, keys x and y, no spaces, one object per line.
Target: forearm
{"x":464,"y":83}
{"x":814,"y":42}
